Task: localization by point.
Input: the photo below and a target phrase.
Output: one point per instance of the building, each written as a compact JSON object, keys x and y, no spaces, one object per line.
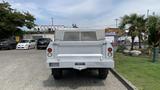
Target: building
{"x":47,"y":28}
{"x":112,"y":34}
{"x":117,"y":31}
{"x":42,"y":31}
{"x":39,"y":35}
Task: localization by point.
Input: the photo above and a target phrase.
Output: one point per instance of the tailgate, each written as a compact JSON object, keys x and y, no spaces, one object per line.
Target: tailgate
{"x":80,"y":57}
{"x":80,"y":50}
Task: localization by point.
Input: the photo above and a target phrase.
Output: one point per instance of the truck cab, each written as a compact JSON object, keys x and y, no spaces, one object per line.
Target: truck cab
{"x":80,"y":49}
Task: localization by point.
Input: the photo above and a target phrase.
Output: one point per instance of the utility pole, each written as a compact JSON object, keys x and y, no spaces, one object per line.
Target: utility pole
{"x":116,"y":22}
{"x":147,"y":13}
{"x":154,"y":14}
{"x":52,"y":20}
{"x":52,"y":25}
{"x":146,"y":33}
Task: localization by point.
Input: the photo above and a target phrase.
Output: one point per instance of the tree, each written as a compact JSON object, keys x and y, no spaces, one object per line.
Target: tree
{"x":136,"y":24}
{"x":141,"y":27}
{"x":12,"y":21}
{"x":153,"y":25}
{"x":130,"y":21}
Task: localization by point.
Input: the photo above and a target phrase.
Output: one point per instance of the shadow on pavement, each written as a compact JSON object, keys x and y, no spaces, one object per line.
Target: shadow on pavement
{"x":74,"y":79}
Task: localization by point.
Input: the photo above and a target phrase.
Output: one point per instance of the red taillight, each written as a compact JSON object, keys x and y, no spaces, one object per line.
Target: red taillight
{"x":109,"y":49}
{"x":49,"y":50}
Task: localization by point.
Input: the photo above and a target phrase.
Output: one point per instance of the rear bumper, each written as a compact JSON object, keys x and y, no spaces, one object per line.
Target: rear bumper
{"x":42,"y":46}
{"x":2,"y":46}
{"x":22,"y":47}
{"x":84,"y":65}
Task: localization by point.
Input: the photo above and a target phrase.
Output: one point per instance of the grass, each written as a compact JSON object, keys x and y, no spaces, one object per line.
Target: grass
{"x":144,"y":74}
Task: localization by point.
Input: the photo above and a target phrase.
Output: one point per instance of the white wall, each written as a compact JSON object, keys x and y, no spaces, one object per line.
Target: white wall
{"x":30,"y":36}
{"x":128,"y":38}
{"x":110,"y":38}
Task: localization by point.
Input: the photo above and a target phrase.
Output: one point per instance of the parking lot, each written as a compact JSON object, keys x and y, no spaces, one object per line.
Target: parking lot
{"x":27,"y":70}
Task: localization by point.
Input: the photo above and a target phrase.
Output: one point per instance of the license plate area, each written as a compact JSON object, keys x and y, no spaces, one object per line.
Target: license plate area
{"x":79,"y":63}
{"x":54,"y":64}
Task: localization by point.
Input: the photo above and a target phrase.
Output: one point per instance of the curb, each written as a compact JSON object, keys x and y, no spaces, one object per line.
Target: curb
{"x":124,"y":81}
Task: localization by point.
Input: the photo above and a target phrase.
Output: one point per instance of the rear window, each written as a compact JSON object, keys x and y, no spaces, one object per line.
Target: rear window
{"x":80,"y":36}
{"x":44,"y":39}
{"x":71,"y":36}
{"x":32,"y":40}
{"x":88,"y":36}
{"x":24,"y":41}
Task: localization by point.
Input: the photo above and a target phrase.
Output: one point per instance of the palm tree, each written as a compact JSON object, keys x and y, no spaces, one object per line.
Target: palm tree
{"x":141,"y":28}
{"x":136,"y":25}
{"x":133,"y":33}
{"x":130,"y":21}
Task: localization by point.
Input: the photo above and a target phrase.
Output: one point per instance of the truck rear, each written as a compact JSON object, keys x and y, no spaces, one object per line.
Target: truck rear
{"x":80,"y":49}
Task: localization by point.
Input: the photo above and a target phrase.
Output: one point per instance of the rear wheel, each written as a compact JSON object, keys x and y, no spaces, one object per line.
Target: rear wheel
{"x":103,"y":72}
{"x":57,"y":73}
{"x":38,"y":48}
{"x":9,"y":47}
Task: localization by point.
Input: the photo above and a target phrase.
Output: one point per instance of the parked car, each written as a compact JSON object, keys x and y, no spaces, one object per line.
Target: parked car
{"x":7,"y":44}
{"x":26,"y":44}
{"x":80,"y":49}
{"x":42,"y":43}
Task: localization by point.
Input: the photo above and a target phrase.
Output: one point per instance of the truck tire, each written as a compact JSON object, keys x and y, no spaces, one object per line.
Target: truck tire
{"x":38,"y":48}
{"x":57,"y":73}
{"x":9,"y":47}
{"x":103,"y":72}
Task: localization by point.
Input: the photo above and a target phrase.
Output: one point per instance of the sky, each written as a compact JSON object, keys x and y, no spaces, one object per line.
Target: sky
{"x":84,"y":13}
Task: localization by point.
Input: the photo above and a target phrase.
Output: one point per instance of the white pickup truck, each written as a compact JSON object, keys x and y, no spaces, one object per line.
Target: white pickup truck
{"x":80,"y":49}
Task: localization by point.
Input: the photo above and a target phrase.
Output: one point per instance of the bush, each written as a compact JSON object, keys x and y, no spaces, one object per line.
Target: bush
{"x":120,"y":48}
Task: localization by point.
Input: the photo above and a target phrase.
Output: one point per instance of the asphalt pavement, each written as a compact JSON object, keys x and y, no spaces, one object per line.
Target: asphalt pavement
{"x":27,"y":70}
